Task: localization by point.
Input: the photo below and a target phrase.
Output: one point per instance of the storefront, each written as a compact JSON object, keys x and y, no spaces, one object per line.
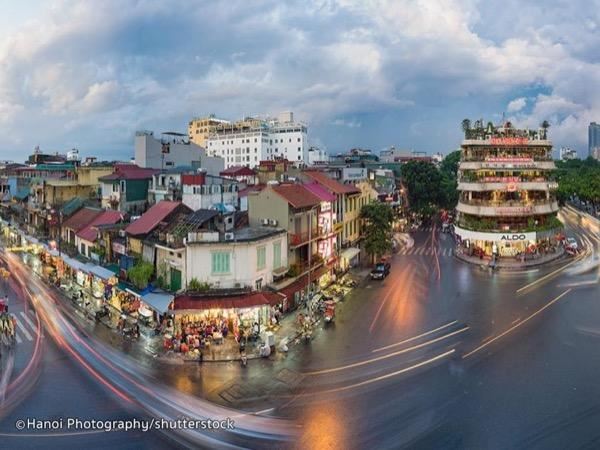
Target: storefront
{"x":508,"y":244}
{"x":297,"y":292}
{"x":349,"y":258}
{"x":238,"y":313}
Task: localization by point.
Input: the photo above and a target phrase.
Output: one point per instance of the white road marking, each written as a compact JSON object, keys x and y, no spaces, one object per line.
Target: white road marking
{"x":24,"y":330}
{"x":28,"y":320}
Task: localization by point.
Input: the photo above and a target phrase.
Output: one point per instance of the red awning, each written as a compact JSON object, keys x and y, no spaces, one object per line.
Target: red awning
{"x":230,"y":302}
{"x":301,"y":283}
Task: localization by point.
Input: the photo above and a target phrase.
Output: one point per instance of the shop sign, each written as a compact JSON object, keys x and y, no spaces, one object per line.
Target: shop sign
{"x":508,"y":159}
{"x":509,"y":141}
{"x":119,"y":248}
{"x":513,"y":237}
{"x":513,"y":210}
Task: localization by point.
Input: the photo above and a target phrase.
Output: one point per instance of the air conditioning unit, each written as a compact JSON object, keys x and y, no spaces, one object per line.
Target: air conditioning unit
{"x":122,"y":233}
{"x":229,"y":236}
{"x":265,"y":222}
{"x":273,"y":222}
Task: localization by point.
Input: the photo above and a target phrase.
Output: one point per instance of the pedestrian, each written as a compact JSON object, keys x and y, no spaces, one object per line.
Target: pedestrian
{"x":200,"y":357}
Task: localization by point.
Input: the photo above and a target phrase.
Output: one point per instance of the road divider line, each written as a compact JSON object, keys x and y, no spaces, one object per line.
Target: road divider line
{"x":547,"y":305}
{"x":382,"y":377}
{"x":515,"y":321}
{"x":390,"y":355}
{"x":414,"y":338}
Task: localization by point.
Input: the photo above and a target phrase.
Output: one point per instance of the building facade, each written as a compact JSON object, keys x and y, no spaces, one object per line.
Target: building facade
{"x":200,"y":128}
{"x":507,"y":203}
{"x":172,"y":150}
{"x":248,"y":257}
{"x":249,"y":141}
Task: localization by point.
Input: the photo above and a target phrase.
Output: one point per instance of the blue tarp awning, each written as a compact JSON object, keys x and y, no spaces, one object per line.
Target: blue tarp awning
{"x":100,"y":271}
{"x":159,"y":301}
{"x":22,"y":194}
{"x":74,"y":264}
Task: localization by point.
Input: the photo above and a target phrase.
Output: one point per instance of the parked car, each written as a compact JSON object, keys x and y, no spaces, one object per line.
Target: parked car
{"x":380,"y":271}
{"x":572,"y":242}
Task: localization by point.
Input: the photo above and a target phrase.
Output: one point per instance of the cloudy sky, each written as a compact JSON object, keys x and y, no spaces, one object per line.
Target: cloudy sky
{"x":87,"y":74}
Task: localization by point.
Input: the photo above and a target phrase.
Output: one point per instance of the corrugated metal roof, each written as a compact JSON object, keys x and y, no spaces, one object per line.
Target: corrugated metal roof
{"x":81,"y":218}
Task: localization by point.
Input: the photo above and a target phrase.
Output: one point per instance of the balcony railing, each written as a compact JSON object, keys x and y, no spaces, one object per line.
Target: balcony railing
{"x":484,"y":208}
{"x":482,"y":186}
{"x":296,"y":239}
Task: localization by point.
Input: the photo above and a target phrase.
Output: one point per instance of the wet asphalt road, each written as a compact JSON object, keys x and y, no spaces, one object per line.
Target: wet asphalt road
{"x":391,"y":371}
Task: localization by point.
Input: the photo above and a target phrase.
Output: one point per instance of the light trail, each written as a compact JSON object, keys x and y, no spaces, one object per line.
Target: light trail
{"x":482,"y":346}
{"x":125,"y":379}
{"x":385,"y":299}
{"x":381,"y":377}
{"x":414,"y":338}
{"x":390,"y":355}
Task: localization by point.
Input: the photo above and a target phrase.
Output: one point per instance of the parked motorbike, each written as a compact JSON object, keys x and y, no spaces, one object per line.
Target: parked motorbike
{"x":101,"y":313}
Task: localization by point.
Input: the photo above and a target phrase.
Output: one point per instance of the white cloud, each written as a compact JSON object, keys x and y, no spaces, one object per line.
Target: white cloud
{"x":85,"y":67}
{"x":516,"y":105}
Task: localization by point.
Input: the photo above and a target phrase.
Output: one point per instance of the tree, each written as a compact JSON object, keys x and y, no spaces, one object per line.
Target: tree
{"x":424,"y":184}
{"x":449,"y":164}
{"x":378,"y":230}
{"x":140,"y":274}
{"x":466,"y":126}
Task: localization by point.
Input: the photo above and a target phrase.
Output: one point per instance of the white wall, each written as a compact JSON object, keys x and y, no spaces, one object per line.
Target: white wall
{"x":280,"y":140}
{"x":243,"y":262}
{"x":148,"y":153}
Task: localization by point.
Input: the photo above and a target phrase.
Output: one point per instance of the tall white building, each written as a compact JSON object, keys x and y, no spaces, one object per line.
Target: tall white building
{"x":173,"y":150}
{"x":567,"y":153}
{"x":249,"y":141}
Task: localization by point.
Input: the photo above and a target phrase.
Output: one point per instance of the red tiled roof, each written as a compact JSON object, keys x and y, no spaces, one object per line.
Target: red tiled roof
{"x":151,"y":218}
{"x":297,"y":195}
{"x":228,"y":302}
{"x":332,"y":185}
{"x":81,"y":219}
{"x":129,"y":172}
{"x":320,"y":192}
{"x":108,"y":217}
{"x":237,"y":171}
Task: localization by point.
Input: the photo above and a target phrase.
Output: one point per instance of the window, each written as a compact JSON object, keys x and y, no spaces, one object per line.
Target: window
{"x":277,"y":255}
{"x":261,"y":257}
{"x":298,"y":139}
{"x":258,"y":284}
{"x":220,"y":262}
{"x":122,"y":185}
{"x":115,"y":188}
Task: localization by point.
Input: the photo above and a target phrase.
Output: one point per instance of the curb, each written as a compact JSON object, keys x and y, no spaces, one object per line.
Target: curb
{"x":510,"y":268}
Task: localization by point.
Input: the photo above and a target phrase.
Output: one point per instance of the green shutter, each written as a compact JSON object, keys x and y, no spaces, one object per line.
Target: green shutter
{"x":277,"y":255}
{"x":220,"y":262}
{"x":261,"y":257}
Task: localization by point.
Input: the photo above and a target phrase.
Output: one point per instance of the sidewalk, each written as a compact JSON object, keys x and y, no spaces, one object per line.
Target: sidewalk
{"x":511,"y":264}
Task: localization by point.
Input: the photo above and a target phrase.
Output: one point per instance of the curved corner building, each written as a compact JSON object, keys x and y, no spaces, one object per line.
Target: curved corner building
{"x":507,"y":204}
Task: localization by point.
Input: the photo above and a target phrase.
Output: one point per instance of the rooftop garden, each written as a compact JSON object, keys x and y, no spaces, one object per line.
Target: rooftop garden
{"x":481,"y":130}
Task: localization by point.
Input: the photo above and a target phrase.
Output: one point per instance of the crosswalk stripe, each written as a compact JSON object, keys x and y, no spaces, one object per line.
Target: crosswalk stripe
{"x":24,"y":330}
{"x":28,"y":320}
{"x":19,"y":340}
